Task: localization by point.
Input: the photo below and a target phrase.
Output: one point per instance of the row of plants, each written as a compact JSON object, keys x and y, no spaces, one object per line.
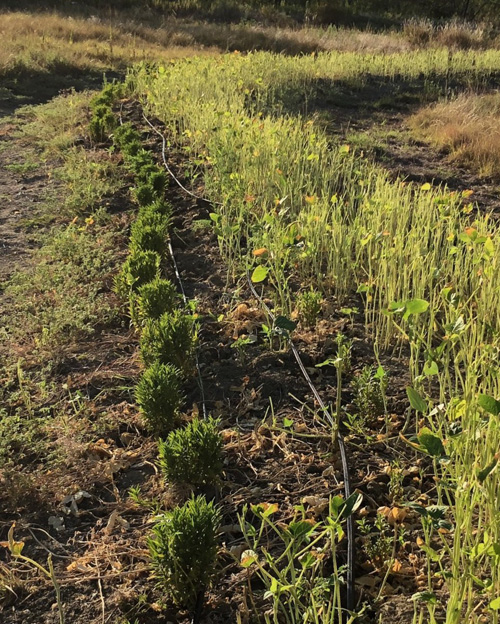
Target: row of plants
{"x":296,"y":208}
{"x":183,"y":544}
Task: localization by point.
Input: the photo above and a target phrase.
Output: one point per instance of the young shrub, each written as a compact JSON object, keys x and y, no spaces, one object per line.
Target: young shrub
{"x":144,"y":194}
{"x":152,"y":300}
{"x":139,"y":161}
{"x":369,"y":392}
{"x":158,"y":180}
{"x":192,"y":455}
{"x":131,"y":149}
{"x":309,"y":306}
{"x":158,"y":207}
{"x":138,"y":269}
{"x":102,"y":123}
{"x":158,"y":395}
{"x":125,"y":134}
{"x":183,"y":549}
{"x":146,"y":236}
{"x":111,"y":92}
{"x":171,"y":339}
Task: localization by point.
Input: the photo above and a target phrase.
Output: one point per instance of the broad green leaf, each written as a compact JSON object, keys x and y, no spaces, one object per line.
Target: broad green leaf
{"x":416,"y":401}
{"x":482,"y":474}
{"x":431,"y":443}
{"x":259,"y":274}
{"x":415,"y":306}
{"x":495,"y":604}
{"x":430,"y":552}
{"x":489,"y":404}
{"x":351,"y":505}
{"x":430,"y":368}
{"x":489,"y":247}
{"x":425,"y":596}
{"x":285,"y":323}
{"x":287,"y":422}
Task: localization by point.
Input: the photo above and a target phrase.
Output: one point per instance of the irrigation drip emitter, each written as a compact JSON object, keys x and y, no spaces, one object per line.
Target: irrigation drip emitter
{"x":323,"y":408}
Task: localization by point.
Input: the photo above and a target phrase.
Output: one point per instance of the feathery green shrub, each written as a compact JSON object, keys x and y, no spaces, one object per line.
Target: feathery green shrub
{"x":158,"y":395}
{"x":152,"y":300}
{"x":194,"y":454}
{"x":170,"y":339}
{"x":183,"y":549}
{"x":138,"y":269}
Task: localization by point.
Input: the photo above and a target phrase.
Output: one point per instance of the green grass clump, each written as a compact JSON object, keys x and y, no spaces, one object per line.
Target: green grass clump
{"x":183,"y":549}
{"x":158,"y":395}
{"x":149,"y":234}
{"x":192,"y":455}
{"x":152,"y":300}
{"x":138,"y":269}
{"x":171,"y":339}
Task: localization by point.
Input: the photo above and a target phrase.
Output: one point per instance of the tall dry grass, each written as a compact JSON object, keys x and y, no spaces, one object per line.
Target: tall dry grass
{"x":55,"y":43}
{"x":467,"y":127}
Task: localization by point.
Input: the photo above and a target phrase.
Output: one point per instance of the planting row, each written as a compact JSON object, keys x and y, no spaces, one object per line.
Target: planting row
{"x":183,"y":545}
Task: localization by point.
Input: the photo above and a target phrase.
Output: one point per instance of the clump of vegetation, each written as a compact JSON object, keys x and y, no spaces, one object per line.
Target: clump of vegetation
{"x":102,"y":123}
{"x":158,"y":395}
{"x":138,"y":269}
{"x":170,"y":339}
{"x":146,"y":193}
{"x":152,"y":211}
{"x":184,"y":549}
{"x":103,"y":120}
{"x":466,"y":127}
{"x":125,"y":134}
{"x":108,"y":95}
{"x":63,"y":297}
{"x":193,"y":455}
{"x":309,"y":306}
{"x":149,"y":234}
{"x":152,"y":300}
{"x":369,"y":390}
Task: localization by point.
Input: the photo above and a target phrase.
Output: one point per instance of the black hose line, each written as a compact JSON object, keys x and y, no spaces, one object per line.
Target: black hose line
{"x":343,"y":455}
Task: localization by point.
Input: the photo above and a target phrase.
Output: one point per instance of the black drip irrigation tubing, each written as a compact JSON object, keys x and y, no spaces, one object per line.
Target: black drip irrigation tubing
{"x":343,"y":455}
{"x":324,"y":409}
